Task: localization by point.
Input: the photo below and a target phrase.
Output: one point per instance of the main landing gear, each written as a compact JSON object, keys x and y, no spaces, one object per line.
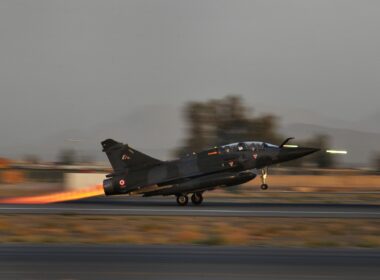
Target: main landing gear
{"x":264,"y":175}
{"x":182,"y":200}
{"x":196,"y":199}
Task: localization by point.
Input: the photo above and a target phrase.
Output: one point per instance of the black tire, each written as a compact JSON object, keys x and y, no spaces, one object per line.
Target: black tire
{"x":197,"y":198}
{"x":182,"y":200}
{"x":264,"y":187}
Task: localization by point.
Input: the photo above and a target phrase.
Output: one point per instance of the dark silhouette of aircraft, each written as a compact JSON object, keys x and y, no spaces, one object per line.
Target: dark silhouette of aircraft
{"x":224,"y":166}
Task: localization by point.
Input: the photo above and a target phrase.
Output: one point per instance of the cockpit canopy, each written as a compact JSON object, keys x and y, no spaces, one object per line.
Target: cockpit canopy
{"x":244,"y":146}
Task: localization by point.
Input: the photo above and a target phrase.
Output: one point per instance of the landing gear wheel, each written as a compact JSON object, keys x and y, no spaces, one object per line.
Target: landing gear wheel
{"x":182,"y":200}
{"x":197,"y":198}
{"x":264,"y":175}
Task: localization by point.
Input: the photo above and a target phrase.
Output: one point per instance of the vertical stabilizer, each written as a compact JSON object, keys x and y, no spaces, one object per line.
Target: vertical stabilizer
{"x":123,"y":157}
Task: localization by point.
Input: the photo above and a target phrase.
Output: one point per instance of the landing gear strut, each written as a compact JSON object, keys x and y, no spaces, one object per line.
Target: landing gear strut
{"x":264,"y":175}
{"x":182,"y":200}
{"x":197,"y":198}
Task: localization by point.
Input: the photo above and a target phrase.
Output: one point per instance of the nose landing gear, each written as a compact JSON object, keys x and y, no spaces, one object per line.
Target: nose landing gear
{"x":264,"y":175}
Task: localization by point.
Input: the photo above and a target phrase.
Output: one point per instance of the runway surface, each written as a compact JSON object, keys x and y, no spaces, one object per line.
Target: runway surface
{"x":167,"y":207}
{"x":152,"y":262}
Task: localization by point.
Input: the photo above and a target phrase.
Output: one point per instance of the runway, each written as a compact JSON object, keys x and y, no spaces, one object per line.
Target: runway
{"x":168,"y":207}
{"x":184,"y":262}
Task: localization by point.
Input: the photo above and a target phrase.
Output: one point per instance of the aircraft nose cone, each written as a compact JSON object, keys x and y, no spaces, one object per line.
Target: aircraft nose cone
{"x":294,"y":153}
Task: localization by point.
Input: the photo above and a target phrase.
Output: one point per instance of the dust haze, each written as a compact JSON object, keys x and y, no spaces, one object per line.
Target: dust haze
{"x":94,"y":69}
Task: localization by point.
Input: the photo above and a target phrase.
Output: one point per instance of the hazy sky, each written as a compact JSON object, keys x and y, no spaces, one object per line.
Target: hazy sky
{"x":75,"y":64}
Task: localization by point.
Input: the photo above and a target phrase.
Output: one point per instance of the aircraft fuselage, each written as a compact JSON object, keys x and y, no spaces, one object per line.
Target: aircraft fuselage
{"x":226,"y":165}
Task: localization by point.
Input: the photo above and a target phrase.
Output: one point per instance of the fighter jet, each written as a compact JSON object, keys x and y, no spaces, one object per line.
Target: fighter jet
{"x":136,"y":173}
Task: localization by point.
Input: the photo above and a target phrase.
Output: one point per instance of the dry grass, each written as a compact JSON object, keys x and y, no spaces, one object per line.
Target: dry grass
{"x":247,"y":193}
{"x":311,"y":232}
{"x":301,"y":183}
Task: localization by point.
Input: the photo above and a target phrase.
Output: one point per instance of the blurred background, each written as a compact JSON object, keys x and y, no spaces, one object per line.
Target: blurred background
{"x":175,"y":77}
{"x":76,"y":72}
{"x":202,"y":125}
{"x":172,"y":77}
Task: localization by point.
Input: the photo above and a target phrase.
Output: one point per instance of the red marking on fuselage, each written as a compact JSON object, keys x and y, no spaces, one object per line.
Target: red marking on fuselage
{"x":121,"y":183}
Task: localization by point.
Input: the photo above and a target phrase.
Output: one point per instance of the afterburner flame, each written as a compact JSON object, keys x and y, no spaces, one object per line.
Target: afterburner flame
{"x":56,"y":197}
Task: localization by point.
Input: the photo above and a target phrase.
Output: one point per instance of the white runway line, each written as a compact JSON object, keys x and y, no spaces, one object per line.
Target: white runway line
{"x":189,"y":211}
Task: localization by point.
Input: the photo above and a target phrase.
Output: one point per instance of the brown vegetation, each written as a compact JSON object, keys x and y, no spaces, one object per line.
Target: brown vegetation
{"x":311,"y":232}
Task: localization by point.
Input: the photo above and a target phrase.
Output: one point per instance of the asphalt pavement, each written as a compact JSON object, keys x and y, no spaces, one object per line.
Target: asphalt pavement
{"x":137,"y":206}
{"x":184,"y":262}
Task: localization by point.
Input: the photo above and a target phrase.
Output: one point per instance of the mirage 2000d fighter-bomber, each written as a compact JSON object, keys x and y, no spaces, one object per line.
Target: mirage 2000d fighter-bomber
{"x":136,"y":173}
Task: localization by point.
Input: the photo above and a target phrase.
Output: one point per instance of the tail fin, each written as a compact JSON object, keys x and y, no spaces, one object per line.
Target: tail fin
{"x":124,"y":157}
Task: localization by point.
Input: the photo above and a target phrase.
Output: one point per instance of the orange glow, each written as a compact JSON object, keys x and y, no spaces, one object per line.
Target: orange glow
{"x":212,"y":153}
{"x":55,"y":197}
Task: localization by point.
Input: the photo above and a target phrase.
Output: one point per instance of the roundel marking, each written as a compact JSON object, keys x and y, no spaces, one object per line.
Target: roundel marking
{"x":121,"y":182}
